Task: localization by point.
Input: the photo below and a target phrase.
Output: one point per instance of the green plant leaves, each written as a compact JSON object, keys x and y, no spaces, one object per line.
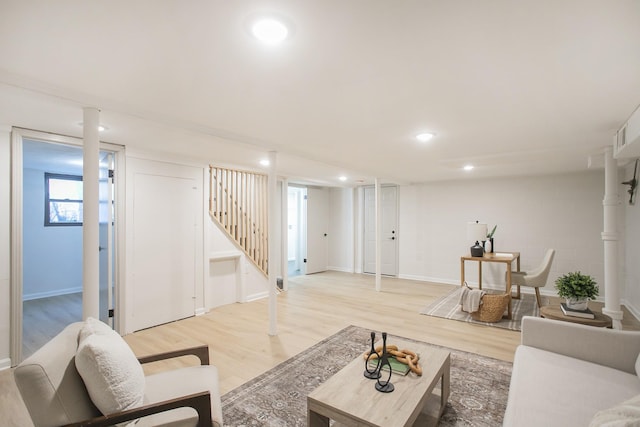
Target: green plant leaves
{"x":576,"y":285}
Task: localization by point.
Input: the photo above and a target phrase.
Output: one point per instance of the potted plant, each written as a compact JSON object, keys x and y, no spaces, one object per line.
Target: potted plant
{"x":488,"y":244}
{"x":577,"y":289}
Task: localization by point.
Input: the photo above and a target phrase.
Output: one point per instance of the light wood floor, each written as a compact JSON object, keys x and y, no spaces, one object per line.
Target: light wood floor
{"x":315,"y":307}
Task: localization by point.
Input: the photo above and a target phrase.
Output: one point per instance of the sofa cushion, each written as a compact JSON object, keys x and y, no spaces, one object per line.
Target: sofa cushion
{"x":110,"y":371}
{"x":626,"y":414}
{"x":549,"y":389}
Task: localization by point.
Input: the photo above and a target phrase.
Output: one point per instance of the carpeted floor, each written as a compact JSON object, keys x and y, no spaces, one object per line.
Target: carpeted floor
{"x":448,"y":308}
{"x":479,"y":386}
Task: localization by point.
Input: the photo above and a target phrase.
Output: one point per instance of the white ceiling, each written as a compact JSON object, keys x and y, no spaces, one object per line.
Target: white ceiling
{"x":514,"y":87}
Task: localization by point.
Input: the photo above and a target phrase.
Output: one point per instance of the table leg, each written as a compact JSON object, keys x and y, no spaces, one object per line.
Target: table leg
{"x":480,"y":274}
{"x":461,"y":271}
{"x":316,"y":420}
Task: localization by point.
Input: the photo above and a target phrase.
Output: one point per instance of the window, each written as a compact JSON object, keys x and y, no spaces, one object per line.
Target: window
{"x":62,"y":199}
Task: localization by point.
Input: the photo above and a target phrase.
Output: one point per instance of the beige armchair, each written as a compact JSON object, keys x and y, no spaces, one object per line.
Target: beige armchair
{"x":536,"y":278}
{"x":58,"y":385}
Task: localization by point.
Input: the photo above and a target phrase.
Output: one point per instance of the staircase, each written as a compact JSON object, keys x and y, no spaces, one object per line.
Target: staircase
{"x":238,"y":203}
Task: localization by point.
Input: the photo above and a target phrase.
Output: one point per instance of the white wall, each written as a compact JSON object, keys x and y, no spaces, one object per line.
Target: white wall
{"x":341,"y":229}
{"x":631,"y":236}
{"x":5,"y":245}
{"x":52,"y":257}
{"x":563,"y":212}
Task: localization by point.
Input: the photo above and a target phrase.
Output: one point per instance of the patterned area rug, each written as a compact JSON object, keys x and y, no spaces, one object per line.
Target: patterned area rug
{"x":479,"y":386}
{"x":449,"y":308}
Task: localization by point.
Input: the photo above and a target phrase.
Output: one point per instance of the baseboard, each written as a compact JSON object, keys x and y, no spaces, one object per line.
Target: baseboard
{"x":428,"y":279}
{"x":257,"y":296}
{"x":341,"y":269}
{"x":5,"y":364}
{"x":54,"y":293}
{"x":200,"y":311}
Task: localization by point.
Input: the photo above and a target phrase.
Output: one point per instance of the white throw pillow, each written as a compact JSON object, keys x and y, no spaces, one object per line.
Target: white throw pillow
{"x":110,"y":371}
{"x":93,"y":326}
{"x":626,"y":414}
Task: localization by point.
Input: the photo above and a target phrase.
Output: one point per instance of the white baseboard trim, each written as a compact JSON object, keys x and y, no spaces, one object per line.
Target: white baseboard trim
{"x":341,"y":269}
{"x":428,"y":279}
{"x":257,"y":296}
{"x":5,"y":364}
{"x":200,"y":311}
{"x":54,"y":293}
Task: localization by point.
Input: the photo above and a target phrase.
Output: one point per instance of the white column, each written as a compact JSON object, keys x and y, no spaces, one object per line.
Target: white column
{"x":378,"y":224}
{"x":90,"y":212}
{"x":610,"y":238}
{"x":284,"y":253}
{"x":273,"y":276}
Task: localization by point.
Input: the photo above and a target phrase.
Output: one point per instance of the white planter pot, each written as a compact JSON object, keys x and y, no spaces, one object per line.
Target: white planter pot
{"x":577,"y":304}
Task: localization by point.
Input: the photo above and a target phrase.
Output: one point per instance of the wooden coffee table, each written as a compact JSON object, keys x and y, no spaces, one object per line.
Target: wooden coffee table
{"x":555,"y":312}
{"x":351,"y":399}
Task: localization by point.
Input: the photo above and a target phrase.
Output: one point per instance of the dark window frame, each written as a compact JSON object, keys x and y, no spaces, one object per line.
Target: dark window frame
{"x":48,"y":200}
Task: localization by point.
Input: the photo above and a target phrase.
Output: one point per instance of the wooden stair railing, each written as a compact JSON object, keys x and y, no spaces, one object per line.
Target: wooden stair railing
{"x":238,"y":203}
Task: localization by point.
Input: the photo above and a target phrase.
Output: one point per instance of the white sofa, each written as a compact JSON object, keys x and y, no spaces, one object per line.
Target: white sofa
{"x":566,"y":374}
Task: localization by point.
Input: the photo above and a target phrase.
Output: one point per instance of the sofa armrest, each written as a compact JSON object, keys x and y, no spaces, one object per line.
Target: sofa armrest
{"x":608,"y":347}
{"x":201,"y":351}
{"x":201,"y":402}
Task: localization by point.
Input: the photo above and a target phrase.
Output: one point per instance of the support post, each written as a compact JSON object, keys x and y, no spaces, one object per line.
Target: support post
{"x":284,"y":253}
{"x":90,"y":213}
{"x":610,"y":239}
{"x":272,"y":260}
{"x":378,"y":224}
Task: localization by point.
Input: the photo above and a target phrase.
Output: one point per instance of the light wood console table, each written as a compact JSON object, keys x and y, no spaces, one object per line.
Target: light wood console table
{"x":502,"y":257}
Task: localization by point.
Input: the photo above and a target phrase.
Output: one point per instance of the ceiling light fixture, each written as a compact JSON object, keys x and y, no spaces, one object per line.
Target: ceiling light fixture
{"x":264,"y":162}
{"x":468,"y":167}
{"x":269,"y":31}
{"x":343,"y":178}
{"x":425,"y":136}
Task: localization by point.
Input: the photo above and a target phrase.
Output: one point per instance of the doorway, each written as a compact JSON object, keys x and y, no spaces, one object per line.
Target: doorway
{"x":389,"y":230}
{"x":47,"y":277}
{"x":296,"y":230}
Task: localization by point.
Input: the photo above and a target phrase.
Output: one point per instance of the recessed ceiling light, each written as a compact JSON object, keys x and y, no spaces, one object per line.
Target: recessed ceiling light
{"x":424,"y":137}
{"x":269,"y":31}
{"x":468,"y":167}
{"x":264,"y":162}
{"x":343,"y":178}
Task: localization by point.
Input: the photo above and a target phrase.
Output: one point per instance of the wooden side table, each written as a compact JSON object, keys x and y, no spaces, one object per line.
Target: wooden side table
{"x":555,"y":312}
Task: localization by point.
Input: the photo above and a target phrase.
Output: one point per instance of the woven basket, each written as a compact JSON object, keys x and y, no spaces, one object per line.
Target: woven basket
{"x":492,"y":308}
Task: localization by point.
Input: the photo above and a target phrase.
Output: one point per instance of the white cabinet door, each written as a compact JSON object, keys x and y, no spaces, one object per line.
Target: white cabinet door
{"x":166,"y":233}
{"x":317,"y":228}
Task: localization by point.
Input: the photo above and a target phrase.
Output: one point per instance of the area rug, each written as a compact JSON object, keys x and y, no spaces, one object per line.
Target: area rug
{"x":278,"y":398}
{"x":448,"y":308}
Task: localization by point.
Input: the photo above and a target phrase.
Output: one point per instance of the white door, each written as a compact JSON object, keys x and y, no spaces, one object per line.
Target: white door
{"x":164,"y":261}
{"x":317,"y":228}
{"x":389,"y":236}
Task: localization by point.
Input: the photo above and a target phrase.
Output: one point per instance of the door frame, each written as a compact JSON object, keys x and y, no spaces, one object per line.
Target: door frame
{"x":17,"y":244}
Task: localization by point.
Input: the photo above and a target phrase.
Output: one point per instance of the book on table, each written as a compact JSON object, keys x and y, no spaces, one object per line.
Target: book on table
{"x":396,"y":366}
{"x":585,"y":314}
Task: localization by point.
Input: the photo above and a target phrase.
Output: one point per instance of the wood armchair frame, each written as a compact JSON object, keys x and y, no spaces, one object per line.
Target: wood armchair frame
{"x":201,"y":402}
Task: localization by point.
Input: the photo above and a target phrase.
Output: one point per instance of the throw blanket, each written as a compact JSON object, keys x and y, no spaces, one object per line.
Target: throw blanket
{"x":470,"y":299}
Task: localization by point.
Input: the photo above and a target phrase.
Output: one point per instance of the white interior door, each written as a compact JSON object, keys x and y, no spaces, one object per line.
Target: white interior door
{"x":317,"y":228}
{"x":389,"y":236}
{"x":107,"y":237}
{"x":164,"y":248}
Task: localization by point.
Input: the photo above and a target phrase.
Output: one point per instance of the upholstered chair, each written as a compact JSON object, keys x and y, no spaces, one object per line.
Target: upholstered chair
{"x":88,"y":375}
{"x":535,"y":278}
